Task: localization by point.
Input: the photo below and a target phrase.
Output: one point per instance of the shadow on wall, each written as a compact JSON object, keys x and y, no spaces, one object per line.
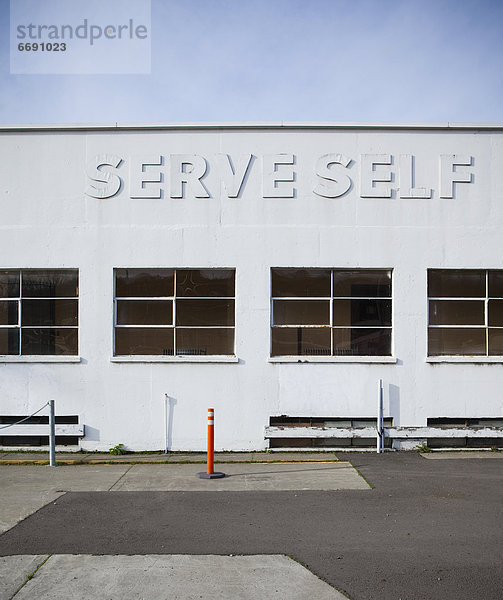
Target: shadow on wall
{"x":170,"y":410}
{"x":91,"y":434}
{"x":394,"y":404}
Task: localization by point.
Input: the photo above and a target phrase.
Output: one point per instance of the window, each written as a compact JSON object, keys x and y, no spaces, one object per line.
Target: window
{"x":331,"y":312}
{"x":465,"y":308}
{"x":39,"y":312}
{"x":167,"y":312}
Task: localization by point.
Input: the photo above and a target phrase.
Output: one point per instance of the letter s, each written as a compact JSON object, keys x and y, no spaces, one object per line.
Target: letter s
{"x":105,"y":183}
{"x":332,"y":184}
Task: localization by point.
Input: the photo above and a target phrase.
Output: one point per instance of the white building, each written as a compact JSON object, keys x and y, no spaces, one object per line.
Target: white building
{"x":274,"y":272}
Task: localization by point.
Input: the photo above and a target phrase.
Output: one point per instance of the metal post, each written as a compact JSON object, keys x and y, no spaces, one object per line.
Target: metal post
{"x":380,"y":421}
{"x":52,"y":434}
{"x":210,"y":474}
{"x":166,"y":400}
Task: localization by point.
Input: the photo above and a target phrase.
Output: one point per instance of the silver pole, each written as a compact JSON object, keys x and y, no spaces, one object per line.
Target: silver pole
{"x":380,"y":422}
{"x":52,"y":434}
{"x":166,"y":400}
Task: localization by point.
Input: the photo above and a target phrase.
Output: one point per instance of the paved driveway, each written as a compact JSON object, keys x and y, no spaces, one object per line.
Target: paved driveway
{"x":429,"y":529}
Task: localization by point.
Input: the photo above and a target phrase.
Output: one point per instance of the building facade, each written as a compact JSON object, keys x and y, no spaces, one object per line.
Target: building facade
{"x":274,"y":272}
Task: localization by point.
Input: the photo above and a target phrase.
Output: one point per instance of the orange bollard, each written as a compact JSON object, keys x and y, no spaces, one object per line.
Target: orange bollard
{"x":210,"y":459}
{"x":211,"y":442}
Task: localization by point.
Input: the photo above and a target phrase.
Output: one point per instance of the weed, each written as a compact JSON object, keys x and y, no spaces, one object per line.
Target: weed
{"x":422,"y":447}
{"x":119,"y":449}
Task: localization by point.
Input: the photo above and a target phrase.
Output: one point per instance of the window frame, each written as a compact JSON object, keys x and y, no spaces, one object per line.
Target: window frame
{"x":335,"y":358}
{"x":41,"y":358}
{"x":463,"y":358}
{"x":207,"y":358}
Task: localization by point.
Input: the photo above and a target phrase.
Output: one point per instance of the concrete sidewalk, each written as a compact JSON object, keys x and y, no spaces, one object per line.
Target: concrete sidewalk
{"x":159,"y":577}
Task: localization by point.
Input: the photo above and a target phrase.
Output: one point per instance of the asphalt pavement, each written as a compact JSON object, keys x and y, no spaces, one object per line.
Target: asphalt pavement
{"x":428,"y":529}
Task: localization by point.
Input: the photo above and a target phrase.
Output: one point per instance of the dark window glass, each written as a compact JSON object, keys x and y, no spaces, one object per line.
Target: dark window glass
{"x":300,"y":282}
{"x":362,"y":283}
{"x":495,"y":342}
{"x":8,"y":312}
{"x":144,"y":341}
{"x":9,"y":341}
{"x":495,"y":310}
{"x":495,"y":281}
{"x":452,"y":283}
{"x":144,"y":283}
{"x":49,"y":312}
{"x":457,"y":312}
{"x":144,"y":312}
{"x":301,"y":312}
{"x":9,"y":284}
{"x":205,"y":282}
{"x":362,"y":342}
{"x":362,"y":312}
{"x":202,"y":342}
{"x":204,"y":298}
{"x":57,"y":283}
{"x":465,"y":283}
{"x":59,"y":342}
{"x":205,"y":313}
{"x":465,"y":341}
{"x":301,"y":341}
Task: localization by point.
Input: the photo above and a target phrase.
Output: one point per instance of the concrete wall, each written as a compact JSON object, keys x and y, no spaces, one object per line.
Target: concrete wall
{"x":48,"y":220}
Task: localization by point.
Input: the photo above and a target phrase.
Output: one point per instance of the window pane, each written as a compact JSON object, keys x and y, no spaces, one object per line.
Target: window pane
{"x":457,"y":312}
{"x":300,"y":341}
{"x":202,"y":342}
{"x":49,"y":312}
{"x":9,"y":284}
{"x":144,"y":283}
{"x":57,"y":283}
{"x":144,"y":312}
{"x":362,"y":283}
{"x":362,"y":342}
{"x":456,"y":341}
{"x":300,"y":282}
{"x":495,"y":310}
{"x":49,"y":341}
{"x":8,"y":312}
{"x":301,"y":312}
{"x":495,"y":284}
{"x":495,"y":342}
{"x":9,"y":341}
{"x":453,"y":283}
{"x":205,"y":312}
{"x":362,"y":312}
{"x":205,"y":282}
{"x":143,"y":341}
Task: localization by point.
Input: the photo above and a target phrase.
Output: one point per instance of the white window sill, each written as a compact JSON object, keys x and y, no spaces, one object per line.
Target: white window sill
{"x":464,"y":359}
{"x":175,"y":359}
{"x":39,"y":359}
{"x":332,"y":359}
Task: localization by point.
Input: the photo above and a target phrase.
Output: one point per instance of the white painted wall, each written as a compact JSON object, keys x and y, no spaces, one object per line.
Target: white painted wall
{"x":47,"y":221}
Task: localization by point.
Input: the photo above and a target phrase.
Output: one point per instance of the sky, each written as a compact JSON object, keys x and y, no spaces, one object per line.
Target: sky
{"x":285,"y":60}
